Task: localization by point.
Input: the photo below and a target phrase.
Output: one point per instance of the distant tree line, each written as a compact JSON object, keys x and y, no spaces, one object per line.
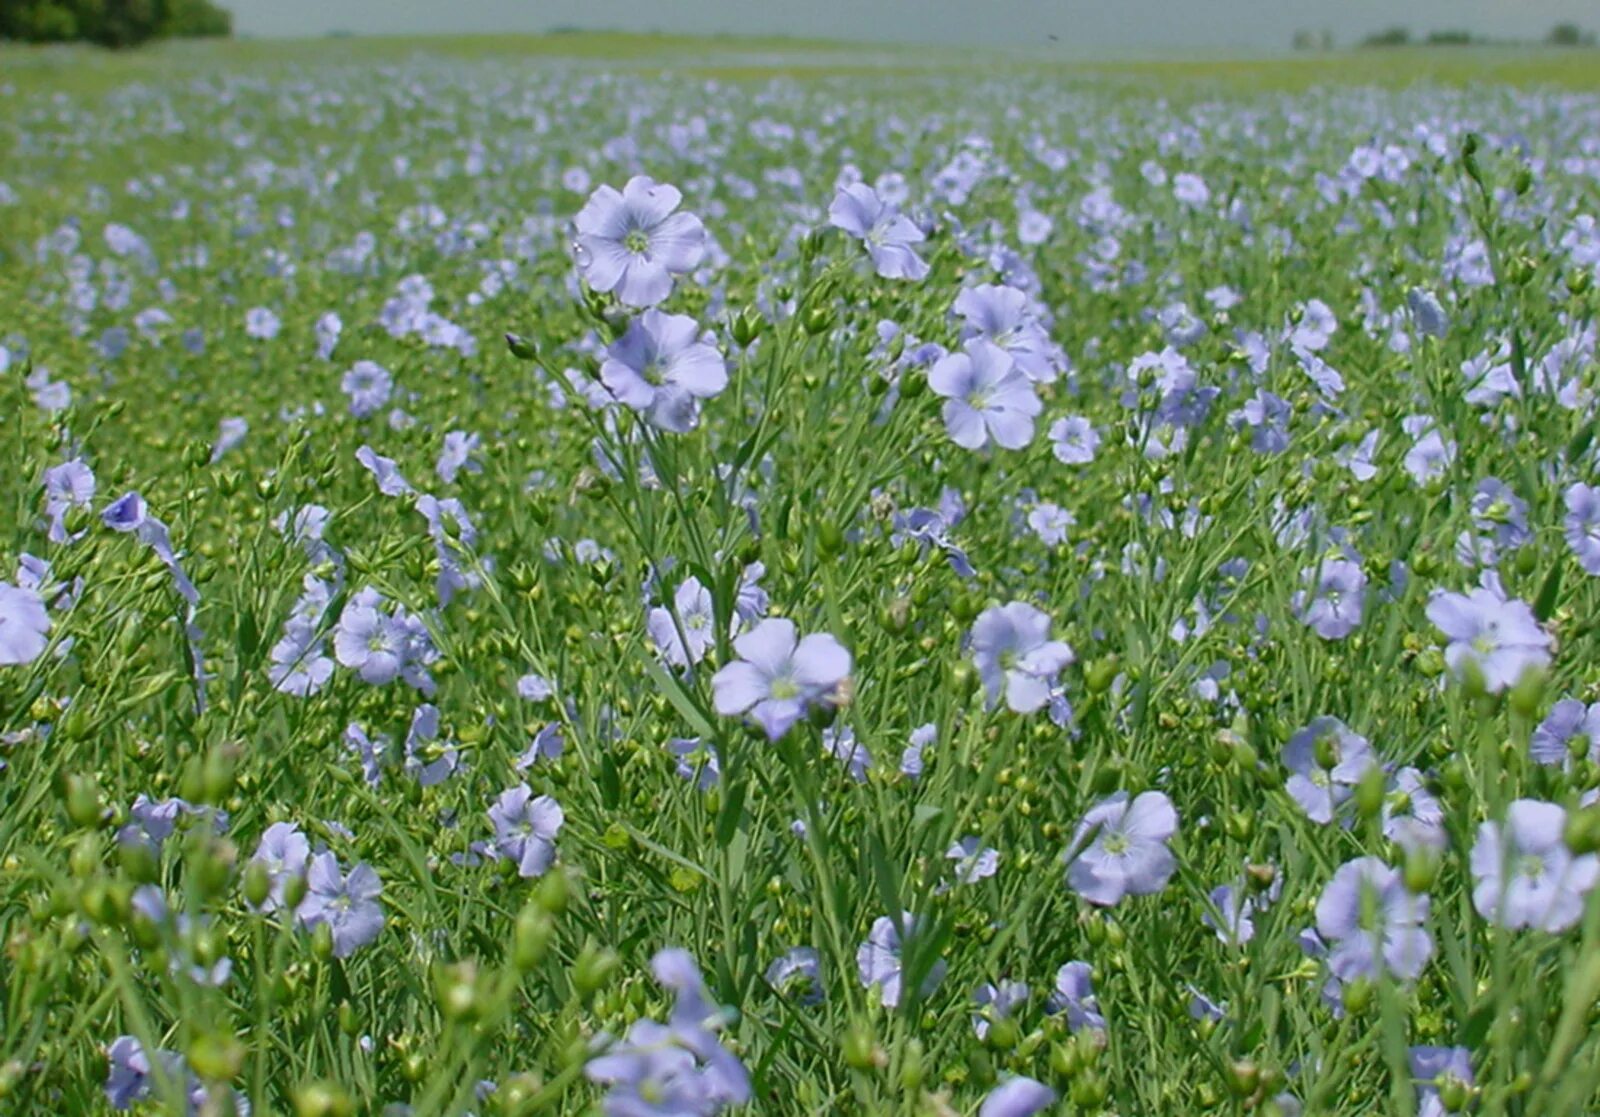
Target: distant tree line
{"x":1561,"y":35}
{"x":111,"y":23}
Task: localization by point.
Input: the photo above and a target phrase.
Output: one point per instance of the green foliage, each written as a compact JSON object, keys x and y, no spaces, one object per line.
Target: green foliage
{"x":112,"y":23}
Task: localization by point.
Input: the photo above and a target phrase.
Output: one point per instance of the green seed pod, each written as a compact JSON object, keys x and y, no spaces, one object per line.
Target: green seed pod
{"x":322,"y":1099}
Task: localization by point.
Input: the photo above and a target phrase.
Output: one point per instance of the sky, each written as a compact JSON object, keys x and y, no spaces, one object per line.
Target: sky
{"x":1080,"y":26}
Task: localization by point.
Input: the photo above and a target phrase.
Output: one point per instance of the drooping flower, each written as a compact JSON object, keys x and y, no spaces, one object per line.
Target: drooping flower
{"x":1570,"y":729}
{"x":887,"y":233}
{"x":778,"y":677}
{"x":662,"y":367}
{"x":1017,"y":1097}
{"x":1372,"y":923}
{"x":525,"y":829}
{"x":633,"y":242}
{"x":879,"y":959}
{"x":987,"y":398}
{"x":1074,"y":995}
{"x":1128,"y":855}
{"x":997,"y":1002}
{"x":1523,"y":873}
{"x":1012,"y":649}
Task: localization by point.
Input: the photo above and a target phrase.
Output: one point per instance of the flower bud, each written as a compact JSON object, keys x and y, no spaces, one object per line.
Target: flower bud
{"x":593,"y":968}
{"x":216,"y":1056}
{"x":84,"y":807}
{"x":748,"y":326}
{"x":860,"y":1050}
{"x":553,"y":892}
{"x":1421,"y":870}
{"x":522,"y":348}
{"x":532,"y":937}
{"x":322,"y":942}
{"x":257,"y":884}
{"x":1369,"y":793}
{"x":1244,"y":1077}
{"x":1358,"y":996}
{"x":912,"y":1068}
{"x":1101,"y":674}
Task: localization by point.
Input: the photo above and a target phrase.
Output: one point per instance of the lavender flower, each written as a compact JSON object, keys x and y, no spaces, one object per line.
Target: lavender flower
{"x":1012,"y":650}
{"x":1074,"y":995}
{"x":24,"y":625}
{"x":1372,"y":923}
{"x":1338,"y":596}
{"x":283,"y":852}
{"x":974,"y":861}
{"x":1582,"y":525}
{"x":1570,"y":729}
{"x":1004,"y":317}
{"x":525,"y":829}
{"x":678,"y":1069}
{"x":1523,"y":873}
{"x":1017,"y":1097}
{"x":369,"y":385}
{"x":683,"y":633}
{"x":987,"y":398}
{"x":662,"y":367}
{"x":1074,"y":440}
{"x":1492,"y":638}
{"x":1326,"y":760}
{"x":347,"y":904}
{"x":1128,"y":855}
{"x":633,"y":243}
{"x":798,"y":974}
{"x":996,"y":1002}
{"x":887,"y":234}
{"x":879,"y":959}
{"x":777,"y":677}
{"x":1434,"y":1067}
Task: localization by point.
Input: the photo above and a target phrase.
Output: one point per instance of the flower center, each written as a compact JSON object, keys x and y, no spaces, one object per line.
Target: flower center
{"x":784,"y":688}
{"x":1116,"y":843}
{"x":637,"y":241}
